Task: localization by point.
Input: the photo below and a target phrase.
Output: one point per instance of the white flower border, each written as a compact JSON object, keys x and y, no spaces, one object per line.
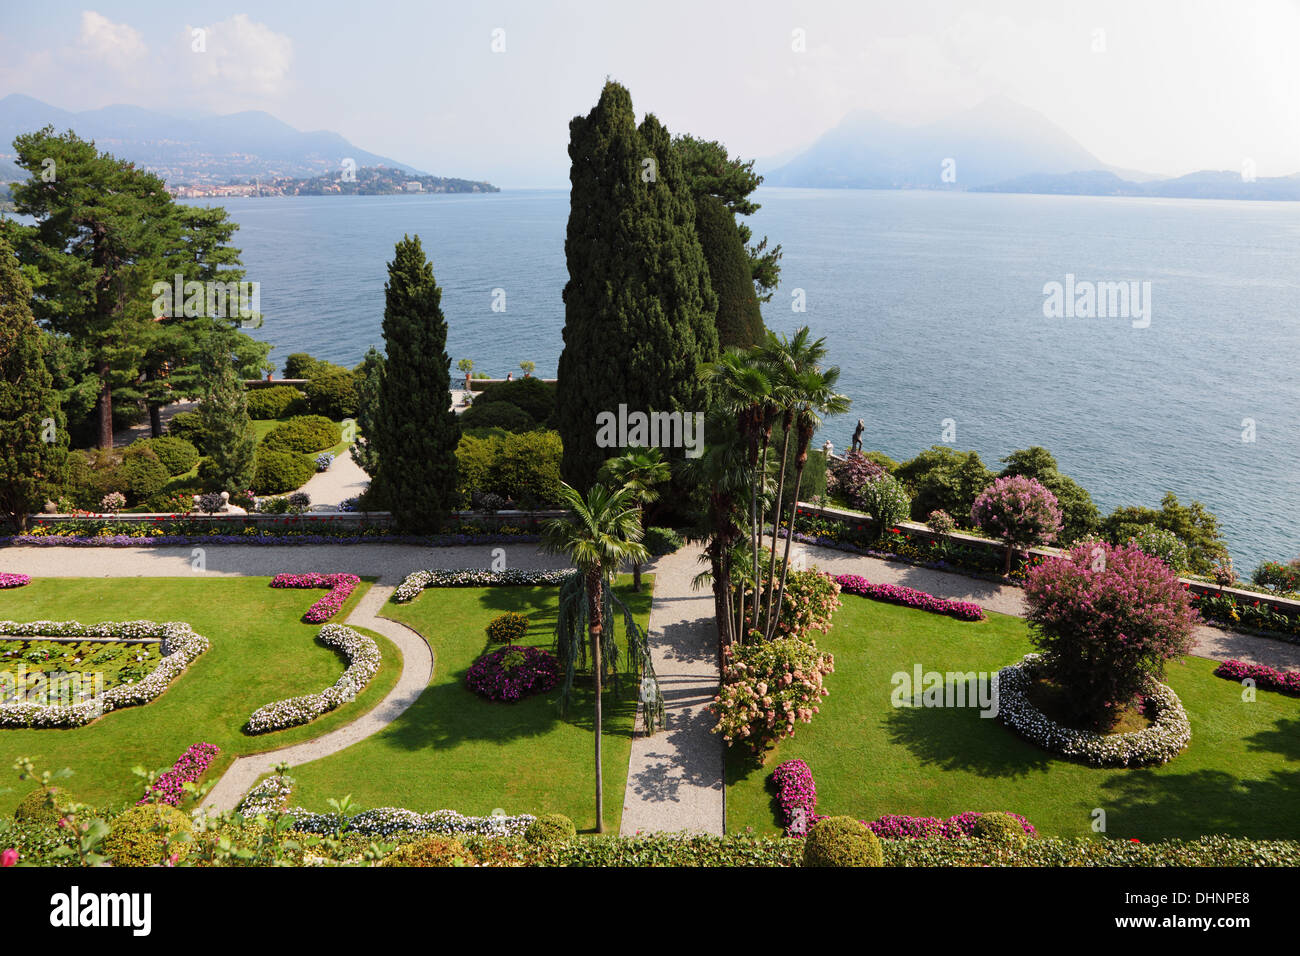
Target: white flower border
{"x":417,"y":581}
{"x":1168,"y":734}
{"x":363,"y":663}
{"x":269,"y":796}
{"x":180,"y":647}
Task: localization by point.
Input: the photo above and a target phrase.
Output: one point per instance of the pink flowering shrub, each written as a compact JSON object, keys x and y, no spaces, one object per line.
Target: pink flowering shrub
{"x":513,"y":672}
{"x":1106,"y":619}
{"x":796,"y":796}
{"x":340,"y":585}
{"x":811,"y":598}
{"x":1270,"y":678}
{"x":909,"y":597}
{"x":1018,"y":510}
{"x":894,"y":827}
{"x":170,"y":786}
{"x":14,"y":580}
{"x":9,"y":858}
{"x":766,"y":689}
{"x":848,"y":476}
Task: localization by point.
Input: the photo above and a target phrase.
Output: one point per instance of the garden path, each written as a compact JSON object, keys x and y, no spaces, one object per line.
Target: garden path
{"x":1210,"y":642}
{"x":675,"y":778}
{"x":343,"y":480}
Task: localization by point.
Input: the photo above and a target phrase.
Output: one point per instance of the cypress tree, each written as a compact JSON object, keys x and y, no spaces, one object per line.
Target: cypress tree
{"x":739,"y":320}
{"x":33,"y":439}
{"x":370,"y":376}
{"x":231,"y":443}
{"x":415,"y":430}
{"x":639,"y":309}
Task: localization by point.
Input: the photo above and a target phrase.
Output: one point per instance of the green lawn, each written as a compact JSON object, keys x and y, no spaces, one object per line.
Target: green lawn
{"x":261,"y":652}
{"x":1240,"y":775}
{"x":454,"y":750}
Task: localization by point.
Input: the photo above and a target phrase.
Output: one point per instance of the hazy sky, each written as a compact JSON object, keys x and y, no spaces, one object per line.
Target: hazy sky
{"x":1166,"y":86}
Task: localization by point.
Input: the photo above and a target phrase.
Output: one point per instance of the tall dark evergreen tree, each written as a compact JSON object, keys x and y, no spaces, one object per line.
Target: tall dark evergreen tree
{"x":415,"y":432}
{"x":639,"y":309}
{"x":223,"y":413}
{"x":33,"y":439}
{"x":739,"y":319}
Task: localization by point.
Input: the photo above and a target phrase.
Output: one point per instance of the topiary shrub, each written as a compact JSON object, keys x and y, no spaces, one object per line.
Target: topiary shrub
{"x":1020,"y":511}
{"x":303,"y":433}
{"x":660,"y":541}
{"x":507,"y":628}
{"x":35,"y":807}
{"x":531,"y":395}
{"x":278,"y":471}
{"x":332,"y":392}
{"x":144,"y":474}
{"x":187,"y":425}
{"x":140,"y":836}
{"x":277,"y":401}
{"x":431,"y":851}
{"x":841,"y":841}
{"x":1000,"y":827}
{"x":178,"y":455}
{"x":551,"y":828}
{"x":497,"y":415}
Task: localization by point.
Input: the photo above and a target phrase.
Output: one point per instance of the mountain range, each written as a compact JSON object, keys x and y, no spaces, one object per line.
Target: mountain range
{"x":996,"y":146}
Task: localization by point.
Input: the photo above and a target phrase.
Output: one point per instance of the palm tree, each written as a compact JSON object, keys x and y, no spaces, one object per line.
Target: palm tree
{"x":601,"y":532}
{"x":640,"y":470}
{"x":817,"y":399}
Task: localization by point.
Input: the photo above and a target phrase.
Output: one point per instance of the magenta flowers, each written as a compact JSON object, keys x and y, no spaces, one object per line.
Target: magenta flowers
{"x":796,"y":795}
{"x":14,"y":580}
{"x":513,"y":673}
{"x":1270,"y":678}
{"x":170,"y":786}
{"x":909,"y":597}
{"x":340,"y":586}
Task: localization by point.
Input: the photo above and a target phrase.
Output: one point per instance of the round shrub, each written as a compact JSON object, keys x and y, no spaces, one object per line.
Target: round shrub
{"x":139,"y":836}
{"x":940,"y":522}
{"x":279,"y":471}
{"x":177,"y":454}
{"x":187,"y":425}
{"x":847,"y":477}
{"x":507,"y":628}
{"x":497,"y":415}
{"x":885,"y":499}
{"x":841,"y":841}
{"x":1165,"y":545}
{"x":1277,"y":577}
{"x":526,"y":469}
{"x":303,"y":433}
{"x":332,"y":392}
{"x":1019,"y":510}
{"x":1000,"y":827}
{"x":145,"y":475}
{"x":275,"y":402}
{"x":550,"y":828}
{"x":532,"y":395}
{"x":431,"y":851}
{"x":300,"y":365}
{"x":35,"y":807}
{"x":660,"y":541}
{"x":513,"y":673}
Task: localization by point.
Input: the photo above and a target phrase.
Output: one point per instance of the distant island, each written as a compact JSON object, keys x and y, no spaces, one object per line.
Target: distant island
{"x":365,"y":181}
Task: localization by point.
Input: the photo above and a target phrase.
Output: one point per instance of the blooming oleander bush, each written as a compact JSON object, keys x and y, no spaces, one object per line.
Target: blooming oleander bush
{"x":1106,"y":619}
{"x":1159,"y":743}
{"x":8,"y":580}
{"x":1019,"y":510}
{"x":417,"y":581}
{"x":766,"y":688}
{"x":909,"y":597}
{"x":507,"y":628}
{"x":340,"y":585}
{"x":1270,"y":678}
{"x":170,"y":786}
{"x":363,"y":663}
{"x":180,"y":647}
{"x":513,"y":672}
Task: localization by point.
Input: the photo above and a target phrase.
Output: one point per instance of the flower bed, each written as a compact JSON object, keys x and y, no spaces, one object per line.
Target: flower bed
{"x":1168,"y":734}
{"x":910,"y":597}
{"x":796,"y":796}
{"x":417,"y":581}
{"x":14,"y":580}
{"x":340,"y":585}
{"x":1227,"y":611}
{"x":180,"y":647}
{"x":268,"y":797}
{"x":766,"y":688}
{"x":363,"y":662}
{"x":1270,"y":678}
{"x":170,"y":786}
{"x":958,"y":827}
{"x":513,"y":672}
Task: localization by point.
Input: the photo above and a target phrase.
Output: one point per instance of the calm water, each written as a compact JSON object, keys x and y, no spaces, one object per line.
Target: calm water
{"x":933,"y":307}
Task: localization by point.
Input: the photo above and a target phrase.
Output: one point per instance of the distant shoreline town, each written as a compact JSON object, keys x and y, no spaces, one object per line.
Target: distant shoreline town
{"x":348,"y":181}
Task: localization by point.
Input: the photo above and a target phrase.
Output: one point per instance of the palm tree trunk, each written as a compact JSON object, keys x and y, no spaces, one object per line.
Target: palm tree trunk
{"x":785,"y":561}
{"x":776,"y":519}
{"x":594,"y":595}
{"x":756,"y":532}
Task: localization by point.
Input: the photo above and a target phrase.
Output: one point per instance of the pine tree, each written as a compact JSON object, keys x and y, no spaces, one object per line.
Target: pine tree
{"x":415,"y":432}
{"x":739,"y":320}
{"x":223,"y":414}
{"x":639,"y":309}
{"x":33,"y":439}
{"x":370,"y":377}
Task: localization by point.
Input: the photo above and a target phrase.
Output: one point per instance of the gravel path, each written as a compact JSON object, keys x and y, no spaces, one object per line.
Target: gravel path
{"x":343,"y":480}
{"x":417,"y":670}
{"x":675,"y":778}
{"x":1209,"y":642}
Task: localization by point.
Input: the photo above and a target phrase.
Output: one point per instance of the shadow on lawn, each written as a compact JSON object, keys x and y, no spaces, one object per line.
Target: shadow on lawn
{"x":958,"y":738}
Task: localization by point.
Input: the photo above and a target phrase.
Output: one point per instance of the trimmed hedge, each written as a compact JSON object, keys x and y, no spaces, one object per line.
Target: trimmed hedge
{"x":278,"y":401}
{"x":497,"y":415}
{"x":177,"y":454}
{"x":303,"y":433}
{"x":187,"y":425}
{"x":431,"y":851}
{"x":551,"y":828}
{"x":531,"y":395}
{"x":144,"y":474}
{"x":841,"y":841}
{"x":332,"y":392}
{"x":139,"y":836}
{"x":279,"y":471}
{"x":35,"y":808}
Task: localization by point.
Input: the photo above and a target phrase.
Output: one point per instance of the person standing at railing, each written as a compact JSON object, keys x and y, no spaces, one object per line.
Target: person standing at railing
{"x":857,"y":436}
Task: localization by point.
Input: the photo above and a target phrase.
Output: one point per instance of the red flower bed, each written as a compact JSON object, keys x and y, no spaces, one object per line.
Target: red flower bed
{"x":513,"y":673}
